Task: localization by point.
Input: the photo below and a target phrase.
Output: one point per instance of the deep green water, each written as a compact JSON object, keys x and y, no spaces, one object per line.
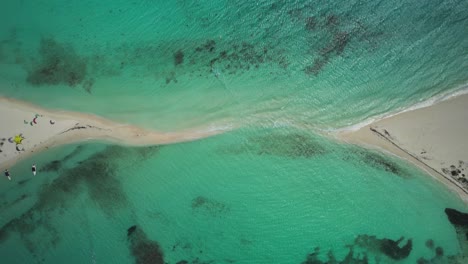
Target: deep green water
{"x":264,"y":193}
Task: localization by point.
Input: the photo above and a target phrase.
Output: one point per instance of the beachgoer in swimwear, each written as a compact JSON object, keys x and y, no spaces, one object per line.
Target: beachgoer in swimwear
{"x":7,"y":174}
{"x":33,"y":168}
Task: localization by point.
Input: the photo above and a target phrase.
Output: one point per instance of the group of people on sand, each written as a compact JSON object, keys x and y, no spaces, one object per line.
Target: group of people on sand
{"x":7,"y":172}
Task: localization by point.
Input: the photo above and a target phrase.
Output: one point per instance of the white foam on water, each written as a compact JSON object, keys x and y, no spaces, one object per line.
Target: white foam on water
{"x":461,"y":90}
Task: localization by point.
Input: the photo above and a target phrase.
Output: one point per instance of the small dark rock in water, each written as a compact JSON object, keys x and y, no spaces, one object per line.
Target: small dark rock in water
{"x":430,"y":243}
{"x":439,"y":251}
{"x":457,"y":218}
{"x":131,"y":230}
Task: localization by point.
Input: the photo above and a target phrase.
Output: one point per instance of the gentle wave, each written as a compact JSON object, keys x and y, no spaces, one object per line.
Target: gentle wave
{"x":461,"y":90}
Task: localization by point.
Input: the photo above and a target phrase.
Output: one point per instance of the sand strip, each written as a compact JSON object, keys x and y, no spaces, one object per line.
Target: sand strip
{"x":433,"y":138}
{"x":43,"y":129}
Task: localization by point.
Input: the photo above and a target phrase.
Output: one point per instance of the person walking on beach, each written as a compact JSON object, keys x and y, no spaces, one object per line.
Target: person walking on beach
{"x":7,"y":174}
{"x":33,"y":168}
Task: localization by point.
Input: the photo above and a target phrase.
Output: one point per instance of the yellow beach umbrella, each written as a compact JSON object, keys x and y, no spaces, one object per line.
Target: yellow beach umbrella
{"x":18,"y":139}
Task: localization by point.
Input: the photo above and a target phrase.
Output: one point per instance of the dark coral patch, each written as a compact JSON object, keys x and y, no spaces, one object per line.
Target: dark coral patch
{"x":381,"y":162}
{"x":332,"y":21}
{"x":439,"y":256}
{"x":54,"y":165}
{"x":336,"y":36}
{"x":178,"y":57}
{"x":388,"y":247}
{"x":96,"y":174}
{"x":377,"y":160}
{"x":391,"y":248}
{"x":144,"y":250}
{"x":131,"y":229}
{"x":88,"y":85}
{"x":311,"y":23}
{"x":58,"y":64}
{"x":289,"y":145}
{"x":316,"y":67}
{"x":430,"y":243}
{"x":457,"y":218}
{"x":235,"y":58}
{"x":293,"y":145}
{"x":209,"y":206}
{"x":350,"y":258}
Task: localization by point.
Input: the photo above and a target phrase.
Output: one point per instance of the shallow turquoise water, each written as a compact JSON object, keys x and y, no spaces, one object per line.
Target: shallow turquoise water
{"x":254,"y":195}
{"x":234,"y":198}
{"x":178,"y":64}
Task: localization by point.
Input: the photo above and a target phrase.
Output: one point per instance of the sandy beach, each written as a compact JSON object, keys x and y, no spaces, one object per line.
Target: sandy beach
{"x":433,"y":138}
{"x":41,"y":129}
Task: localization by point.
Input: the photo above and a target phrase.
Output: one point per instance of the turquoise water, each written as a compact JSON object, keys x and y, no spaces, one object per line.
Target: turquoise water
{"x":264,"y":193}
{"x":234,"y":198}
{"x":178,"y":64}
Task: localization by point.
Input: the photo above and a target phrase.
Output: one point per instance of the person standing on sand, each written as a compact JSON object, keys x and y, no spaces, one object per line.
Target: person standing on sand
{"x":7,"y":174}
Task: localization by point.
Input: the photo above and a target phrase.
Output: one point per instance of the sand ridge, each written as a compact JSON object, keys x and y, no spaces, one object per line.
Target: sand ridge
{"x":43,"y":129}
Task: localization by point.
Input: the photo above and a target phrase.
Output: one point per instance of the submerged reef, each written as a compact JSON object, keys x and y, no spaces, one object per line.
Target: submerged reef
{"x":388,"y":247}
{"x":144,"y":250}
{"x":293,"y":145}
{"x":377,"y":160}
{"x":380,"y":247}
{"x":178,"y":57}
{"x":58,"y":64}
{"x":209,"y":206}
{"x":96,"y":175}
{"x":313,"y":258}
{"x":457,"y":218}
{"x":326,"y":35}
{"x":56,"y":165}
{"x":147,"y":251}
{"x":460,"y":221}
